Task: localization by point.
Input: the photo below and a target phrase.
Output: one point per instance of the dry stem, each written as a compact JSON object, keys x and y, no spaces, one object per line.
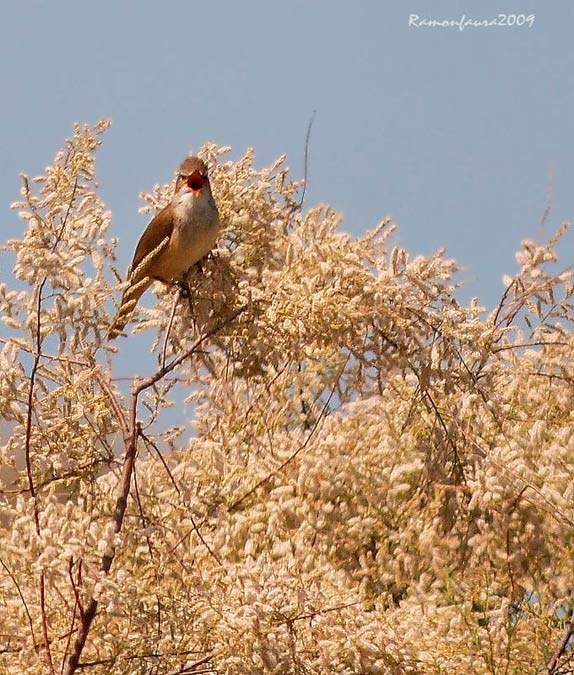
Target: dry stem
{"x":131,"y":433}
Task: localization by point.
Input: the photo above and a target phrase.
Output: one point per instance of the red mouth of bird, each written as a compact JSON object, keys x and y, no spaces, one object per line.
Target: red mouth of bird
{"x":195,"y":181}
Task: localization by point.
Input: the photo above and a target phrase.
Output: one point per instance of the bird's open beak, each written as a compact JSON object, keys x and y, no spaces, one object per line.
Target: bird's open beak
{"x":196,"y":182}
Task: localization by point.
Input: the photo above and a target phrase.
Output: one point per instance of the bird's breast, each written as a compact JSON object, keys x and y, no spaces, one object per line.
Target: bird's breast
{"x":196,"y":226}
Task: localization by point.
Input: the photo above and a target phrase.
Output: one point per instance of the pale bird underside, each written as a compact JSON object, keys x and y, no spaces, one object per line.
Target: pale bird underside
{"x":179,"y":236}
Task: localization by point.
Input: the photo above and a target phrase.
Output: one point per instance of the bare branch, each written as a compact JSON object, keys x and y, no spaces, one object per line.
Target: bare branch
{"x":306,"y":165}
{"x":552,"y":664}
{"x":175,"y":363}
{"x":23,"y":600}
{"x":130,"y":441}
{"x":119,"y":413}
{"x":29,"y":414}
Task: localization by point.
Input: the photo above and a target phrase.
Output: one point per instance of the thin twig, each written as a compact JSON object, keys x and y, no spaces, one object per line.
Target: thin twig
{"x":148,"y":538}
{"x":169,"y":326}
{"x":148,"y":441}
{"x":29,"y":412}
{"x":195,"y":527}
{"x":549,"y":201}
{"x":119,"y":413}
{"x":306,"y":165}
{"x":320,"y":612}
{"x":141,"y":656}
{"x":142,"y":515}
{"x":30,"y":406}
{"x":560,"y":647}
{"x":88,"y":615}
{"x":77,"y":607}
{"x":303,"y":445}
{"x":130,"y":441}
{"x":203,"y":541}
{"x":539,"y":343}
{"x":175,"y":363}
{"x":43,"y":355}
{"x":24,"y":603}
{"x":503,"y":301}
{"x":188,"y":668}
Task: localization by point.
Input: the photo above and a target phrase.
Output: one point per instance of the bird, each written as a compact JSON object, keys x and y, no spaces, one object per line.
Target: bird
{"x":177,"y":238}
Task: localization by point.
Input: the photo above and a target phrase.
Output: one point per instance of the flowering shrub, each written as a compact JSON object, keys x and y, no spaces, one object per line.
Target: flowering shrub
{"x":377,"y":479}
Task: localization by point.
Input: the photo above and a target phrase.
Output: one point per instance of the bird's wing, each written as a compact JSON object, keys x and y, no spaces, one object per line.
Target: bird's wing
{"x":153,"y":241}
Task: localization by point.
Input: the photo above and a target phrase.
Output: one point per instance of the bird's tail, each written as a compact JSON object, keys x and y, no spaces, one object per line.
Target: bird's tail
{"x":128,"y":303}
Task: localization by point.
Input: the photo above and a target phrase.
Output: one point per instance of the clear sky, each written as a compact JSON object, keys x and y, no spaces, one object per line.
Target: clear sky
{"x":457,"y":134}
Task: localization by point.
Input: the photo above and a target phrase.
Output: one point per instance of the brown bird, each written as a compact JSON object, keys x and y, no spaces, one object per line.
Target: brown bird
{"x":178,"y":237}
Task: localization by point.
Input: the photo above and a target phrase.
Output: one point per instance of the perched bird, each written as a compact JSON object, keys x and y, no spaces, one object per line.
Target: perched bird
{"x":177,"y":238}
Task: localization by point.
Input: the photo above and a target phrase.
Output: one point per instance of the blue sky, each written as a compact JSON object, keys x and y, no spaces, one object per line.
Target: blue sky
{"x":457,"y":134}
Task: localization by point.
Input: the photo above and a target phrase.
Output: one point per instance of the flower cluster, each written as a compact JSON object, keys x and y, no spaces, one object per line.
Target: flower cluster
{"x":376,"y":478}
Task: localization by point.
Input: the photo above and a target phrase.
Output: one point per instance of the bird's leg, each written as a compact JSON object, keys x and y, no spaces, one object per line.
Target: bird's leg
{"x":198,"y":266}
{"x":183,"y":287}
{"x":176,"y":300}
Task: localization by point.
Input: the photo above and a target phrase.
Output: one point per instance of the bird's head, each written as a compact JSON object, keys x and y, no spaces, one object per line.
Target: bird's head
{"x":192,"y":177}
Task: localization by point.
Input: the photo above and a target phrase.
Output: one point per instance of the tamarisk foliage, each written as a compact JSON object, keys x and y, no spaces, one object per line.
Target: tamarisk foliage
{"x":371,"y":477}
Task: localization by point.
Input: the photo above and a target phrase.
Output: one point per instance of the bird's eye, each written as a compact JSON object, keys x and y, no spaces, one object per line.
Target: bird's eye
{"x":182,"y":177}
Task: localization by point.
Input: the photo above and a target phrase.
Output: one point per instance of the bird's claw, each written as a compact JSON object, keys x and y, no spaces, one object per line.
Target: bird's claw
{"x":184,"y":288}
